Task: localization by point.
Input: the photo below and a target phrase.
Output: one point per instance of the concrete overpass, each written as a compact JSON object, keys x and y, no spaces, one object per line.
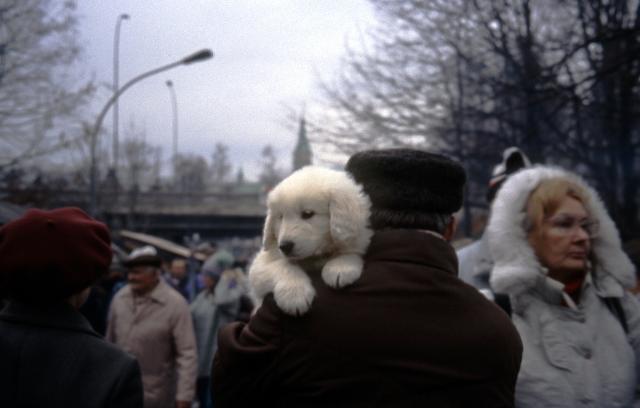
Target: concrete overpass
{"x":230,"y":212}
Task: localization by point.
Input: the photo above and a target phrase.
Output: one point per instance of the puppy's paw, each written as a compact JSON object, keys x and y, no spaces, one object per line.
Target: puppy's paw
{"x":342,"y":270}
{"x":260,"y":282}
{"x":294,"y":297}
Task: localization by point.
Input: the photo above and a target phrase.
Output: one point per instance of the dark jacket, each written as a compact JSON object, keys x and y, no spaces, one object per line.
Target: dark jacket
{"x":50,"y":357}
{"x":407,"y":333}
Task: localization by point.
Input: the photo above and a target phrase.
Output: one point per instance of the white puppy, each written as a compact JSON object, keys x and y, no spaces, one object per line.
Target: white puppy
{"x":315,"y":213}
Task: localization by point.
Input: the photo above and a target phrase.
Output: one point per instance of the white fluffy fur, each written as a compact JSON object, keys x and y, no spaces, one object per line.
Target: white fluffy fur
{"x":516,"y":267}
{"x":338,"y":232}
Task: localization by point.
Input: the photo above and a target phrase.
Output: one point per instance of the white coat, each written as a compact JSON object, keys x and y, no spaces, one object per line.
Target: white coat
{"x":575,"y":355}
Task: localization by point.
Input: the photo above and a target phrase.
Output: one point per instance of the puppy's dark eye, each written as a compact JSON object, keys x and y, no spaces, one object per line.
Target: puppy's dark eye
{"x":306,"y":214}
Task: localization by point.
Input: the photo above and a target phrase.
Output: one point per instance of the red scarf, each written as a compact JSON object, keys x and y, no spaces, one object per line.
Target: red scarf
{"x":574,"y":287}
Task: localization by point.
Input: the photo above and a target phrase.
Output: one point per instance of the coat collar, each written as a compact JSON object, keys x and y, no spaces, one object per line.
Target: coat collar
{"x":516,"y":268}
{"x":413,"y":246}
{"x":57,"y":316}
{"x":159,"y":294}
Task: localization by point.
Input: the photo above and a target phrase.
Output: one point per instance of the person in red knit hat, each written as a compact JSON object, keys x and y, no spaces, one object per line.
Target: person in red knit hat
{"x":50,"y":354}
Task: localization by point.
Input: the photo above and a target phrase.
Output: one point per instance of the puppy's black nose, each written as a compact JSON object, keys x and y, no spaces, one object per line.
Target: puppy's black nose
{"x":286,"y":247}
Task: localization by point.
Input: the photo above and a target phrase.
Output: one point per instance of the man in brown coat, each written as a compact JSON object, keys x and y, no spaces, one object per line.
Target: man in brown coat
{"x":407,"y":333}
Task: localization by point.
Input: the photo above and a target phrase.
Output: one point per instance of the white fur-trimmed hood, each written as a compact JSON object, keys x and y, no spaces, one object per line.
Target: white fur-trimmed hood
{"x":516,"y":268}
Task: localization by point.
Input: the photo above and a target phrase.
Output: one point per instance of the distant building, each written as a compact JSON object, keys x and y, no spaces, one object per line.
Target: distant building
{"x":302,"y":152}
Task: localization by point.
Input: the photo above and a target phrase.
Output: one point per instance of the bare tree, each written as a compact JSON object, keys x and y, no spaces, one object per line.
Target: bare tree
{"x":190,"y":173}
{"x":220,"y":164}
{"x":603,"y":73}
{"x":270,"y":173}
{"x":138,"y":158}
{"x":471,"y":77}
{"x":40,"y":97}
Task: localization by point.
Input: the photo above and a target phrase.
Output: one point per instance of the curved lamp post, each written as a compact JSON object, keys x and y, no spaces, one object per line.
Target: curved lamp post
{"x":174,"y":104}
{"x":116,"y":85}
{"x":201,"y":55}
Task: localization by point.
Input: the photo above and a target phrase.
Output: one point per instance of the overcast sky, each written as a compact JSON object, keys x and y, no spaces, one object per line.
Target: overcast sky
{"x":267,"y":52}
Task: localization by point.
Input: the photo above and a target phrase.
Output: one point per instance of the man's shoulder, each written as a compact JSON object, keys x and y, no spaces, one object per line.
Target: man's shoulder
{"x":109,"y":352}
{"x":171,"y":297}
{"x":113,"y":362}
{"x":66,"y":342}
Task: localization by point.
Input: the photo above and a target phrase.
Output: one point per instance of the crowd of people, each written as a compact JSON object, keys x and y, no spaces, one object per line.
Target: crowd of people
{"x":159,"y":317}
{"x":540,"y":312}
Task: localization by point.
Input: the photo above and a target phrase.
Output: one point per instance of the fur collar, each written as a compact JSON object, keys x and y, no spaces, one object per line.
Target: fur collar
{"x":516,"y":267}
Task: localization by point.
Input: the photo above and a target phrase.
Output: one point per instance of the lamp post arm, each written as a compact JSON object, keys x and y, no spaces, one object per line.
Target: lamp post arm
{"x":196,"y":57}
{"x":116,"y":86}
{"x":96,"y":127}
{"x":115,"y":96}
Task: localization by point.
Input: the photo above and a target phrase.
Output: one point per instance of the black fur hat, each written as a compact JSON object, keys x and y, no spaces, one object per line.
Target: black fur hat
{"x":409,"y":180}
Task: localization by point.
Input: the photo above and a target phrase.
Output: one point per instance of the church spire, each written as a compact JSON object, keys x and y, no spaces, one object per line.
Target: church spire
{"x":302,"y":152}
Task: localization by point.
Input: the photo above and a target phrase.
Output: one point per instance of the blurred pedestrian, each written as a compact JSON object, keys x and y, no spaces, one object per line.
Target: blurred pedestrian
{"x":151,"y":320}
{"x":178,"y":278}
{"x":407,"y":333}
{"x":558,"y":256}
{"x":474,"y":260}
{"x":217,"y":305}
{"x":50,"y":356}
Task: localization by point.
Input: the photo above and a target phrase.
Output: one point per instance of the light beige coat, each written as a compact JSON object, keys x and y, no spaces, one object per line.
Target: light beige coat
{"x":157,"y":329}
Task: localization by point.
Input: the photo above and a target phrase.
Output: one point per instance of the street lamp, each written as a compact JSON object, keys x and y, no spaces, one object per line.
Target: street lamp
{"x":116,"y":63}
{"x":174,"y":104}
{"x":201,"y":55}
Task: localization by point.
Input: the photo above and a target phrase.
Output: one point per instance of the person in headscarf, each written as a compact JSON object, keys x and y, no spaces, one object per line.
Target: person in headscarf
{"x":215,"y":306}
{"x":474,"y":260}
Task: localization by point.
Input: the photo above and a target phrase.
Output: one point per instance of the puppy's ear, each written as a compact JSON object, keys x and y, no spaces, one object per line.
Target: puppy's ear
{"x":349,"y":214}
{"x":269,"y":240}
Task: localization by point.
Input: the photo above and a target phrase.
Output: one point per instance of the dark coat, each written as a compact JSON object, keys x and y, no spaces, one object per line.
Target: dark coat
{"x":50,"y":357}
{"x":407,"y":333}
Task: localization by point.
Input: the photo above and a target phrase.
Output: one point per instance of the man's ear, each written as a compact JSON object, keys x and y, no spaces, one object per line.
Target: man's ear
{"x":450,"y":229}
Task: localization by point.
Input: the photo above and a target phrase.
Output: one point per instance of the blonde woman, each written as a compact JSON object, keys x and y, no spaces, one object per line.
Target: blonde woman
{"x":558,"y":256}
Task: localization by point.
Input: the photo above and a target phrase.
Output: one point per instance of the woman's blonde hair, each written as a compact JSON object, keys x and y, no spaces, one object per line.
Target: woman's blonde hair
{"x":546,"y":199}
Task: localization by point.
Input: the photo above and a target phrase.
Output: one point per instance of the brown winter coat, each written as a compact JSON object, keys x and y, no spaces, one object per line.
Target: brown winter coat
{"x":407,"y":333}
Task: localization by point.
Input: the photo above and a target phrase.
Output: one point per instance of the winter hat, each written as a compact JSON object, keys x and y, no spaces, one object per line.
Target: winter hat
{"x":517,"y":268}
{"x":406,"y":180}
{"x":47,"y":255}
{"x":206,"y":248}
{"x":513,"y":159}
{"x":143,"y":256}
{"x":217,"y":263}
